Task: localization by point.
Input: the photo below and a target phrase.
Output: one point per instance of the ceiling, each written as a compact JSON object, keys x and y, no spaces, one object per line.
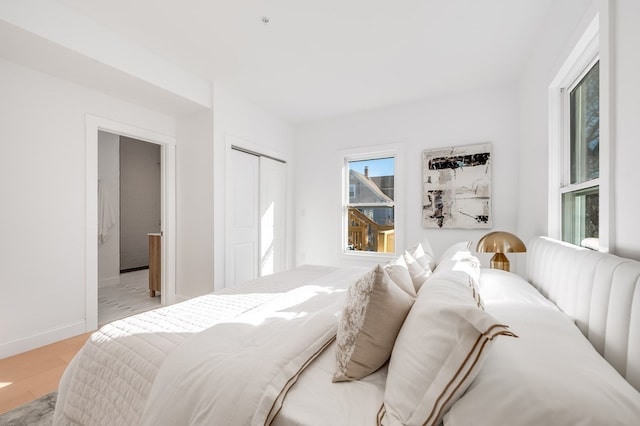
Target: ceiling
{"x":319,"y":59}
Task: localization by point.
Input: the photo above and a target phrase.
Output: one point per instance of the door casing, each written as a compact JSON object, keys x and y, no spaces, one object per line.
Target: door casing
{"x":168,"y":188}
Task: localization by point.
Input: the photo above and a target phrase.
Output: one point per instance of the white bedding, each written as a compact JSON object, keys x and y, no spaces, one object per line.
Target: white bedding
{"x":239,"y":371}
{"x":550,"y":375}
{"x":109,"y":380}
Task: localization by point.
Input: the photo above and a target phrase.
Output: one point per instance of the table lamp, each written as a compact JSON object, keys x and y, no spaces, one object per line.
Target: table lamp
{"x":500,"y":242}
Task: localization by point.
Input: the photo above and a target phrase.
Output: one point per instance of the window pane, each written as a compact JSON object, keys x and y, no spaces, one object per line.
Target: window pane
{"x":580,"y":215}
{"x":585,"y":127}
{"x":371,"y":228}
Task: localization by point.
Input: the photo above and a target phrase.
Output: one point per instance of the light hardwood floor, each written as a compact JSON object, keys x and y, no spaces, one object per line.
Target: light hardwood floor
{"x":30,"y":375}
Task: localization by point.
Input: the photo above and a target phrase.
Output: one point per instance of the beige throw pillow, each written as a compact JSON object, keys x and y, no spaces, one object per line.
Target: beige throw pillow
{"x":424,"y":259}
{"x":418,"y":273}
{"x":399,"y":273}
{"x":374,"y":311}
{"x":439,"y":351}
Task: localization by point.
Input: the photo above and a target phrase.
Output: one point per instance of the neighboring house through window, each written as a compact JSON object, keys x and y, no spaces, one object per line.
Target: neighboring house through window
{"x":369,"y":208}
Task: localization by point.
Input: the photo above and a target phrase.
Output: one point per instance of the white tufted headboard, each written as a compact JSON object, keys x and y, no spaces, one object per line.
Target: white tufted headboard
{"x":600,"y":291}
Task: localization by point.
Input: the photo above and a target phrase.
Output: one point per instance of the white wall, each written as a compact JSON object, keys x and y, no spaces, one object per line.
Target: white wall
{"x":627,"y":146}
{"x":564,"y":26}
{"x":195,"y":193}
{"x":261,"y":131}
{"x":483,"y":116}
{"x":42,"y":223}
{"x":109,"y":172}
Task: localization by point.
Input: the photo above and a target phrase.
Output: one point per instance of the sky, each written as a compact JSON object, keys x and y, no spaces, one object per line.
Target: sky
{"x":377,"y":167}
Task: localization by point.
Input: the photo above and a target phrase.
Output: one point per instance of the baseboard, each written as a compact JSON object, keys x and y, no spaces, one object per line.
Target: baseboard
{"x":181,"y":298}
{"x":137,"y":268}
{"x":43,"y":338}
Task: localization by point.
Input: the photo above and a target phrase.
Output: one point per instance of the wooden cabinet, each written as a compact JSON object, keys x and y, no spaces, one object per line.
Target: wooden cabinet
{"x":155,"y":257}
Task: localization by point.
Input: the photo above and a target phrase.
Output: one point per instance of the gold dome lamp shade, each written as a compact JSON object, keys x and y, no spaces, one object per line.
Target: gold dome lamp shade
{"x":500,"y":242}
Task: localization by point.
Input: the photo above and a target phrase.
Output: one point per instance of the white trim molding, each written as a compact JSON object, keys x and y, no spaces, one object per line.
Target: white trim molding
{"x":594,"y":43}
{"x":395,"y":150}
{"x":168,"y":152}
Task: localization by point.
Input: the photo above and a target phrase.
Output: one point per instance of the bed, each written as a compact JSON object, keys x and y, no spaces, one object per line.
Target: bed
{"x":417,"y":340}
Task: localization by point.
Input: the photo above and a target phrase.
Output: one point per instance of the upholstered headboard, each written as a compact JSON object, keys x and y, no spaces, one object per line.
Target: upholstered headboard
{"x":600,"y":291}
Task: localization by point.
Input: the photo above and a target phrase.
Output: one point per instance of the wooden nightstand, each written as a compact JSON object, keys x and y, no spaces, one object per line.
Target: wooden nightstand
{"x":155,"y":257}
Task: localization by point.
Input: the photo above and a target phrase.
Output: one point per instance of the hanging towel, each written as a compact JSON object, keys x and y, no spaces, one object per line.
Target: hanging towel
{"x":106,"y":215}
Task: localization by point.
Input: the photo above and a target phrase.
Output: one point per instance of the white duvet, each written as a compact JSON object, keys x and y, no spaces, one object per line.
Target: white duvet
{"x":109,"y":380}
{"x":127,"y":365}
{"x":239,"y":371}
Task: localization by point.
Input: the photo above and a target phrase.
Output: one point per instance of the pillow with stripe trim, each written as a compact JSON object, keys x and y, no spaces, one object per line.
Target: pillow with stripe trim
{"x":439,"y":350}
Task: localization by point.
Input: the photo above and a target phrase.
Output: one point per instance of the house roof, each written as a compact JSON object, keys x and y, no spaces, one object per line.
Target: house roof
{"x":378,"y":195}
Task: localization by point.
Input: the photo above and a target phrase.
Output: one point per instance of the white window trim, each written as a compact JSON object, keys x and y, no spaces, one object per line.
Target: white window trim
{"x":365,"y":153}
{"x":594,"y":44}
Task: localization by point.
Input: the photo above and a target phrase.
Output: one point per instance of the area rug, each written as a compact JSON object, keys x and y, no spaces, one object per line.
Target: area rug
{"x":34,"y":413}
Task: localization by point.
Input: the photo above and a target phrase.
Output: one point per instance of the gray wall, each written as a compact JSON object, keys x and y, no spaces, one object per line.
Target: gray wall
{"x":140,"y":200}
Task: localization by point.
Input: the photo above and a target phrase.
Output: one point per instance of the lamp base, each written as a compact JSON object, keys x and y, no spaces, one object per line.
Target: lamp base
{"x":500,"y":261}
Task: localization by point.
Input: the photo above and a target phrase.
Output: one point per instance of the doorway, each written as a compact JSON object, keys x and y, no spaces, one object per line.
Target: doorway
{"x":129,"y":218}
{"x":168,"y":199}
{"x":257,"y":216}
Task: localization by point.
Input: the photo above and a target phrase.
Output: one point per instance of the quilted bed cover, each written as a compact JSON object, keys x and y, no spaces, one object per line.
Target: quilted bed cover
{"x":110,"y":379}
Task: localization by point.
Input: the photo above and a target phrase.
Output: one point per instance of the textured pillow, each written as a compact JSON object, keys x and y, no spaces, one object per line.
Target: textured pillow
{"x":374,"y":311}
{"x":418,"y":274}
{"x":424,"y":258}
{"x":399,"y":273}
{"x":439,"y":351}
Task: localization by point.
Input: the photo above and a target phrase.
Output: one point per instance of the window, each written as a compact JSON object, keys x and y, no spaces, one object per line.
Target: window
{"x":580,"y":185}
{"x":579,"y":116}
{"x":369,"y":205}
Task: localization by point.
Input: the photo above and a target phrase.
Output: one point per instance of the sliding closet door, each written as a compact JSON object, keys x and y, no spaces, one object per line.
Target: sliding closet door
{"x":272,"y":215}
{"x":241,"y":261}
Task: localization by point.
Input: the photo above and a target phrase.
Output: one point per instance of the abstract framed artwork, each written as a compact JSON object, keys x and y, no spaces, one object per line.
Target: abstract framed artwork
{"x":456,"y":187}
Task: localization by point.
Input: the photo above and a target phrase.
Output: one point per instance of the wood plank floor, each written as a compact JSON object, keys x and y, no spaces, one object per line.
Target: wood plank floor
{"x":30,"y":375}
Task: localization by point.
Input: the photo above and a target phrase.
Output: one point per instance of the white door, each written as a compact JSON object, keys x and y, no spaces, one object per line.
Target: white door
{"x":241,"y":262}
{"x":272,"y":215}
{"x":256,"y":215}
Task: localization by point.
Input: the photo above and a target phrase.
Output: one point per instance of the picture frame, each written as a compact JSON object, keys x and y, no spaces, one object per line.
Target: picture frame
{"x":456,"y":187}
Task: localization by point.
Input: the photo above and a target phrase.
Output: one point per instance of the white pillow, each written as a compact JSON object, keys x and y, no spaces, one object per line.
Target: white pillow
{"x":399,"y":273}
{"x":426,"y":246}
{"x":457,"y":263}
{"x":498,"y":286}
{"x":439,"y":351}
{"x":455,"y":252}
{"x":374,"y":311}
{"x":550,"y":375}
{"x":418,"y":274}
{"x":424,"y":258}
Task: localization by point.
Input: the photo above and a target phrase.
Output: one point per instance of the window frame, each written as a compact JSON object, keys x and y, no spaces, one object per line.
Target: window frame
{"x":566,"y":186}
{"x":370,"y":153}
{"x":592,"y":47}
